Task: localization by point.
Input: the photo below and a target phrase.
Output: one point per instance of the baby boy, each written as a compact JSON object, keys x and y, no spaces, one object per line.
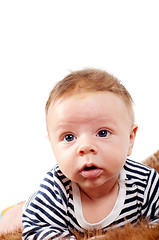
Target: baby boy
{"x":90,"y":123}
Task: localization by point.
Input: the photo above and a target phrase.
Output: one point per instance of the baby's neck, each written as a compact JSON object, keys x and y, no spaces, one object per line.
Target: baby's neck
{"x":101,"y":191}
{"x":95,"y":206}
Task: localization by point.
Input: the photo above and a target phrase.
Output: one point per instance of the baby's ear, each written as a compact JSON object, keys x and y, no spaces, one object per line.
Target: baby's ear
{"x":132,"y":138}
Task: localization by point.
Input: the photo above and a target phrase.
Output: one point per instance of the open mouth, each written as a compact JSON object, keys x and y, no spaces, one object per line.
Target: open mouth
{"x":91,"y":171}
{"x":89,"y":168}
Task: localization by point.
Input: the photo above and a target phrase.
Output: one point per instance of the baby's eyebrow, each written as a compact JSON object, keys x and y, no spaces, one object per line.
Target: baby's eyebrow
{"x":63,"y":125}
{"x":100,"y":122}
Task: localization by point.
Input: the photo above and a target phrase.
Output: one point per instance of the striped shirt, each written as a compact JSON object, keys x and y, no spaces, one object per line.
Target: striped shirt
{"x":55,"y":209}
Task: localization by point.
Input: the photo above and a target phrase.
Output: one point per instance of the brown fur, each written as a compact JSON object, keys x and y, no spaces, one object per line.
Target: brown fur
{"x":12,"y":236}
{"x":153,"y":161}
{"x":142,"y":231}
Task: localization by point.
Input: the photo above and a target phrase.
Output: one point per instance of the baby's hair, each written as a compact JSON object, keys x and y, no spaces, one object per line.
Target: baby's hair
{"x":89,"y":80}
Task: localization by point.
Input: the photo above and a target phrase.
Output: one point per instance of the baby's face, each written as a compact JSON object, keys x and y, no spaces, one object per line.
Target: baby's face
{"x":91,"y":135}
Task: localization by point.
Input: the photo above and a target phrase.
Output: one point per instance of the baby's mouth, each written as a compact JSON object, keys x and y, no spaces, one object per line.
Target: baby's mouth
{"x":90,"y":168}
{"x":90,"y":171}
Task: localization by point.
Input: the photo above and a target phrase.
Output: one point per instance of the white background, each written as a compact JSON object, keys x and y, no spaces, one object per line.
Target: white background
{"x":40,"y":41}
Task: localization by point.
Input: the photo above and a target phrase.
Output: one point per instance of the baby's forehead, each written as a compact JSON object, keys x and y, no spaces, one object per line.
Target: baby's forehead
{"x":89,"y":103}
{"x":83,"y":94}
{"x":87,"y":118}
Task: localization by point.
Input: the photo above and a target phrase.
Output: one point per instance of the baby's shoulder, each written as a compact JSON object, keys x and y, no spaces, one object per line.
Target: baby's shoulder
{"x":55,"y":179}
{"x":139,"y":172}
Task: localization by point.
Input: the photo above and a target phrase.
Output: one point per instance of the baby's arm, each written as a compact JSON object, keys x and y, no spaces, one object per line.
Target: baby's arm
{"x":11,"y":219}
{"x":45,"y":215}
{"x":41,"y":222}
{"x":37,"y":228}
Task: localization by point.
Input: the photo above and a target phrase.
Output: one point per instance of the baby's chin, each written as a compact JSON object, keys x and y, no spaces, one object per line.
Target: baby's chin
{"x":92,"y":183}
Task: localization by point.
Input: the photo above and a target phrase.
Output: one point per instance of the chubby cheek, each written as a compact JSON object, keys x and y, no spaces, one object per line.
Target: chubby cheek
{"x":115,"y":164}
{"x":114,"y":159}
{"x":65,"y":163}
{"x":65,"y":168}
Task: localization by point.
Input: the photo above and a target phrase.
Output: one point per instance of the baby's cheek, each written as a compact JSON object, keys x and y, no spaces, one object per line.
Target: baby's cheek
{"x":116,"y":164}
{"x":64,"y":166}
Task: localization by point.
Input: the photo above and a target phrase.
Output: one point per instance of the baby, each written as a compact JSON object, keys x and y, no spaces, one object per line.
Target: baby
{"x":90,"y":123}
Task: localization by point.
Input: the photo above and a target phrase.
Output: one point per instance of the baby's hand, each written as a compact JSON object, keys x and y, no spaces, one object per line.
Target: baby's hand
{"x":12,"y":220}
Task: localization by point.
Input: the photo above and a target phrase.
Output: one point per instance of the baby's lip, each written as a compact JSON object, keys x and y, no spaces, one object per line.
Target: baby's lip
{"x":88,"y":167}
{"x":90,"y":171}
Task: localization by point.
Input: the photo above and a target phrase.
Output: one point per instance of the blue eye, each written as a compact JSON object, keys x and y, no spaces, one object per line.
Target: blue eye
{"x":69,"y":138}
{"x":103,"y":133}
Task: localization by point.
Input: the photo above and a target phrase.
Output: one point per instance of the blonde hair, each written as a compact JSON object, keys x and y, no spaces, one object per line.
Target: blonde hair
{"x":89,"y":80}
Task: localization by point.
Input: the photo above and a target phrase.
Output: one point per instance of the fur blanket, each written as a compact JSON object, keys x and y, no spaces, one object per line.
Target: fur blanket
{"x":142,"y":231}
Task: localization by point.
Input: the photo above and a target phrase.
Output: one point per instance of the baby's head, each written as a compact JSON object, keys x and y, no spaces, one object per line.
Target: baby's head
{"x":90,"y":80}
{"x":90,"y":124}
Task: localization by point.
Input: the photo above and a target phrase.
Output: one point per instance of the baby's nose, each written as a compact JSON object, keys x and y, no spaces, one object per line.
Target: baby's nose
{"x":86,"y":149}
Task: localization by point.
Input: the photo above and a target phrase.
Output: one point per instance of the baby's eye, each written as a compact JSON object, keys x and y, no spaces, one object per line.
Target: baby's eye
{"x":69,"y":137}
{"x":103,"y":133}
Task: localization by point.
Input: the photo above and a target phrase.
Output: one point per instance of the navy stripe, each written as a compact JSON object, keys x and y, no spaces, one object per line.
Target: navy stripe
{"x":135,"y":171}
{"x":62,"y":193}
{"x":53,"y":219}
{"x":134,"y":199}
{"x":54,"y":194}
{"x":137,"y":165}
{"x":130,"y":192}
{"x":51,"y":206}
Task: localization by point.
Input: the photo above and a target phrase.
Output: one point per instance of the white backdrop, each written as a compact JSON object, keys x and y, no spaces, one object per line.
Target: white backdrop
{"x":40,"y":41}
